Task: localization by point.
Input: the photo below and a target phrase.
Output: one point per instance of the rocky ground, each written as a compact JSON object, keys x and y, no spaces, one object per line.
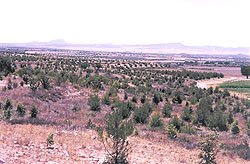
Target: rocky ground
{"x":27,"y":144}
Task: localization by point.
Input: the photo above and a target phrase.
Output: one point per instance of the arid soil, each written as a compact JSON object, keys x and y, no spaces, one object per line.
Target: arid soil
{"x":28,"y":145}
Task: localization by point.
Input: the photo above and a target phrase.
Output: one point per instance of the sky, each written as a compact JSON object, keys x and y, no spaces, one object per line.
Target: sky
{"x":191,"y":22}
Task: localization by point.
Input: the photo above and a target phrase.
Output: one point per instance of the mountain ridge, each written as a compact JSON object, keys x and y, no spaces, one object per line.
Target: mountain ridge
{"x":141,"y":48}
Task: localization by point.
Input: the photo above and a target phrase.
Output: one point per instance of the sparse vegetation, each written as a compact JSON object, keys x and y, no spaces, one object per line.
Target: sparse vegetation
{"x":149,"y":96}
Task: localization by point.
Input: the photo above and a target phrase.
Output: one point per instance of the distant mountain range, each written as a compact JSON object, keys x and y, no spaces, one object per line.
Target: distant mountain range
{"x":172,"y":48}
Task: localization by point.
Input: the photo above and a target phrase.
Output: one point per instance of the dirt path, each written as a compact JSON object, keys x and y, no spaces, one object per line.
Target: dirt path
{"x":215,"y":82}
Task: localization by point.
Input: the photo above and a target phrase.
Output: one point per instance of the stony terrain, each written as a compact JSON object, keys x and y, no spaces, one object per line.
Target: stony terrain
{"x":27,"y":144}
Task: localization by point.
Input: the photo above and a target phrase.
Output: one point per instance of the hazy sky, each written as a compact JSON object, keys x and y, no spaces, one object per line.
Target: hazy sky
{"x":192,"y":22}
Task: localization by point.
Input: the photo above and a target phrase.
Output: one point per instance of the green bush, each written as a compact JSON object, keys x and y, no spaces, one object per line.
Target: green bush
{"x":116,"y":140}
{"x":6,"y":65}
{"x":94,"y":103}
{"x":177,"y":99}
{"x":235,"y":128}
{"x":141,"y":114}
{"x":230,"y":119}
{"x":106,"y":99}
{"x":217,"y":120}
{"x":157,"y":98}
{"x":143,"y":99}
{"x":33,"y":112}
{"x":7,"y":109}
{"x":10,"y":85}
{"x":20,"y":110}
{"x":50,"y":140}
{"x":125,"y":96}
{"x":134,"y":99}
{"x":45,"y":82}
{"x":204,"y":111}
{"x":186,"y":114}
{"x":188,"y":129}
{"x":176,"y":122}
{"x":34,"y":84}
{"x":124,"y":109}
{"x":75,"y":108}
{"x":208,"y":152}
{"x":171,"y":131}
{"x":156,"y":121}
{"x":166,"y":111}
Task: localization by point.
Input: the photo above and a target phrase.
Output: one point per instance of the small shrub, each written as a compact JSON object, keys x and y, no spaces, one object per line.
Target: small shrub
{"x":156,"y":121}
{"x":7,"y":114}
{"x":171,"y":131}
{"x":21,"y":83}
{"x":186,"y":114}
{"x":157,"y":98}
{"x":134,"y":99}
{"x":176,"y":122}
{"x":20,"y":110}
{"x":208,"y":152}
{"x":125,"y":96}
{"x":124,"y":109}
{"x":45,"y":82}
{"x":90,"y":124}
{"x":50,"y":140}
{"x":33,"y":112}
{"x":177,"y":99}
{"x":94,"y":103}
{"x":7,"y":109}
{"x":235,"y":128}
{"x":166,"y":111}
{"x":188,"y":129}
{"x":230,"y":119}
{"x":34,"y":84}
{"x":141,"y":114}
{"x":115,"y":142}
{"x":217,"y":120}
{"x":106,"y":99}
{"x":10,"y":85}
{"x":15,"y":85}
{"x":143,"y":99}
{"x":76,"y":108}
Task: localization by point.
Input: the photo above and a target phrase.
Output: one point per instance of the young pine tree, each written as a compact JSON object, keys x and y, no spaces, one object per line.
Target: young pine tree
{"x":20,"y":110}
{"x":94,"y":103}
{"x":235,"y":128}
{"x":186,"y":114}
{"x":116,"y":144}
{"x":7,"y":109}
{"x":208,"y":151}
{"x":33,"y":112}
{"x":166,"y":111}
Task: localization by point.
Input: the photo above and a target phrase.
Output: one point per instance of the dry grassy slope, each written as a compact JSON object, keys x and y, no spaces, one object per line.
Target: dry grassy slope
{"x":27,"y":144}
